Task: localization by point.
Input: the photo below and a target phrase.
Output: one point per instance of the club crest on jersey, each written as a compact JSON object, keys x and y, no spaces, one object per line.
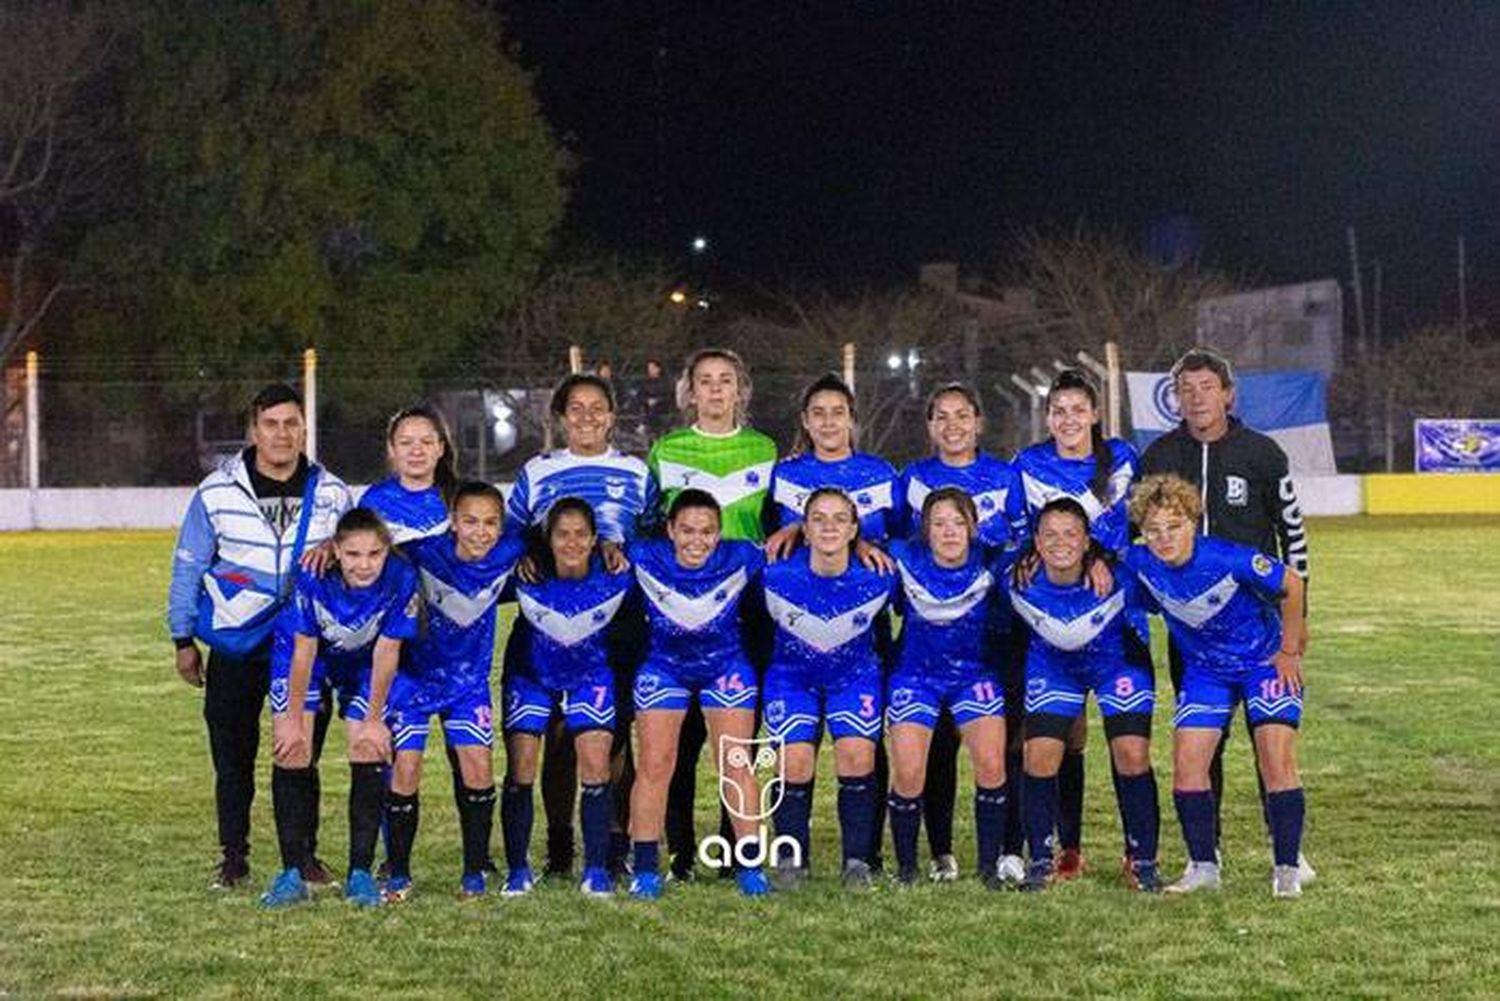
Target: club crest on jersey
{"x":987,"y":503}
{"x":721,"y":596}
{"x":861,"y":620}
{"x":600,"y":615}
{"x":864,"y":500}
{"x":615,"y":489}
{"x":775,"y":711}
{"x":1236,"y":491}
{"x":645,"y":684}
{"x":752,"y":478}
{"x":901,"y":698}
{"x":1036,"y":686}
{"x":1097,"y":618}
{"x":1261,"y":564}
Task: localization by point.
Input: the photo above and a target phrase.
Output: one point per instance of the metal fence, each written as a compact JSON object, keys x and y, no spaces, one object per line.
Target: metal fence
{"x":124,"y":421}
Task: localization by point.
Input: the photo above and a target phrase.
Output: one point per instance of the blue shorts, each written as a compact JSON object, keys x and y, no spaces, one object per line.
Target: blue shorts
{"x":795,"y":708}
{"x":1121,"y":687}
{"x":657,"y":686}
{"x":914,"y":699}
{"x":1207,"y":699}
{"x":466,"y":715}
{"x":350,"y":680}
{"x":589,"y":705}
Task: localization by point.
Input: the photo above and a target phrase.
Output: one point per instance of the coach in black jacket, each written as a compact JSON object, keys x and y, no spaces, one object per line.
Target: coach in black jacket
{"x":1242,"y":475}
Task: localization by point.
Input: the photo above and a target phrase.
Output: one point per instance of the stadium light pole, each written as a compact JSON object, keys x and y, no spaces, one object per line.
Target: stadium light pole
{"x":310,"y":400}
{"x":33,"y":424}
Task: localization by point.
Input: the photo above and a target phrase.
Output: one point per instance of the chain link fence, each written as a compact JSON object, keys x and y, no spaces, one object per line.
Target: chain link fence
{"x":122,"y":421}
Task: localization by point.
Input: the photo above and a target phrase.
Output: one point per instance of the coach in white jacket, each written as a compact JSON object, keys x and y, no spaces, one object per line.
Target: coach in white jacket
{"x":248,"y":525}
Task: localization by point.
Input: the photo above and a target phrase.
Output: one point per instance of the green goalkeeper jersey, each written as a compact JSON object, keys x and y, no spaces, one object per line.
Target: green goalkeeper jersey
{"x":735,"y":468}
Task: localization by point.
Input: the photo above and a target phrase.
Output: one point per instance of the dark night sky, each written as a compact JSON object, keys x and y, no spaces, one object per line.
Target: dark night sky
{"x":843,"y":143}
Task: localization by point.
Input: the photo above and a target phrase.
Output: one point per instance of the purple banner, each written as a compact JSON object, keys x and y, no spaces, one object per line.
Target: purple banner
{"x":1458,"y":446}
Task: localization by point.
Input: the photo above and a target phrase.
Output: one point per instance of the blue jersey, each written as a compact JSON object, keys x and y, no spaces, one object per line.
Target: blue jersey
{"x":617,"y":486}
{"x":823,"y":624}
{"x":457,"y":649}
{"x":1220,"y":606}
{"x":946,"y":614}
{"x":990,"y":481}
{"x":694,"y":615}
{"x":346,"y":621}
{"x":1074,"y":632}
{"x":409,"y":514}
{"x":868,"y":480}
{"x":1046,"y":476}
{"x":561,"y":636}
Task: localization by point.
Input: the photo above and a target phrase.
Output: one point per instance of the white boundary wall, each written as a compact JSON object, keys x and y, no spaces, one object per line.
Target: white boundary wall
{"x":162,"y":507}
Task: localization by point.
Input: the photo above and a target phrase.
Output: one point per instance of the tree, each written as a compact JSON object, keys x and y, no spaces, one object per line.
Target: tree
{"x":55,"y":153}
{"x":367,"y":178}
{"x":1091,"y":288}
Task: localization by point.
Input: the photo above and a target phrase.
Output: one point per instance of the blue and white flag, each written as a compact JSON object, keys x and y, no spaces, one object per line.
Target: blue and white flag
{"x":1290,"y":406}
{"x":1455,"y":445}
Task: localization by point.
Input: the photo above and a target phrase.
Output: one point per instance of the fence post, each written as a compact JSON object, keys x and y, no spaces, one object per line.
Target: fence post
{"x":575,"y":359}
{"x":33,"y":424}
{"x":848,"y":359}
{"x":1112,"y":360}
{"x":310,"y":400}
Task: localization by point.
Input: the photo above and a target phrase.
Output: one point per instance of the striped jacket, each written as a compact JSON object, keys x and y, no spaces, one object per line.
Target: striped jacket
{"x":228,"y":549}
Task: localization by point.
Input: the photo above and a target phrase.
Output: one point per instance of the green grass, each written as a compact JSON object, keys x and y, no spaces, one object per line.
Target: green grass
{"x":106,"y":834}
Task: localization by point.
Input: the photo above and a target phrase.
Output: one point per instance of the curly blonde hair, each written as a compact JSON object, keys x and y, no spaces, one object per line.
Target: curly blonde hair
{"x":1164,"y":490}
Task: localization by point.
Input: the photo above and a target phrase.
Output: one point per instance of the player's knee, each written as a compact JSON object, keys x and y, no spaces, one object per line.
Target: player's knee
{"x":989,"y":766}
{"x":854,"y":756}
{"x":406,"y":776}
{"x":800,"y":761}
{"x":1043,"y":756}
{"x":908,"y":776}
{"x":521,"y":760}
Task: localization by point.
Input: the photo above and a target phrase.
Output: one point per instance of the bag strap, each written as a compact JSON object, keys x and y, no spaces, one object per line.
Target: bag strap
{"x":309,"y":492}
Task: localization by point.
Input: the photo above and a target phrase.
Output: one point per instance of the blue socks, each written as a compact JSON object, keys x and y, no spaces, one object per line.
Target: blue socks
{"x":1195,"y":811}
{"x":1039,"y":804}
{"x":990,"y":822}
{"x":794,"y":816}
{"x":906,"y":820}
{"x":647,"y":856}
{"x":516,"y":812}
{"x":1140,"y":813}
{"x":857,"y":803}
{"x":593,"y":816}
{"x":1286,"y":810}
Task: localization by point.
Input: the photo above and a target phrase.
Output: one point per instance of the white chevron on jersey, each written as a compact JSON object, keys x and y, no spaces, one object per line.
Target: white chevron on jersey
{"x":941,"y":611}
{"x":569,"y":630}
{"x":1202,"y":608}
{"x":916,"y":494}
{"x":867,"y":500}
{"x":461,"y":609}
{"x":871,"y":499}
{"x":1039,"y":493}
{"x":990,"y":503}
{"x":406,"y":533}
{"x":238,"y":610}
{"x":725,"y":489}
{"x":342,"y":637}
{"x":823,"y":635}
{"x":1071,"y":634}
{"x":692,"y":613}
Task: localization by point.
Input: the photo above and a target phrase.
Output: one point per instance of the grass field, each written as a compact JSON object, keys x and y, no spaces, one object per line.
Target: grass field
{"x":106,"y":834}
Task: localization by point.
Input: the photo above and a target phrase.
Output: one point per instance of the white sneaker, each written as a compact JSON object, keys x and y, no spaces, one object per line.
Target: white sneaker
{"x":1286,"y":881}
{"x":1197,"y":876}
{"x":1305,"y":872}
{"x":1011,"y":870}
{"x":944,"y":869}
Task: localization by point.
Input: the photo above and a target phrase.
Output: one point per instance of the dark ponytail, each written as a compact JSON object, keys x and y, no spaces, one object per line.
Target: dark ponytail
{"x":1104,"y":457}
